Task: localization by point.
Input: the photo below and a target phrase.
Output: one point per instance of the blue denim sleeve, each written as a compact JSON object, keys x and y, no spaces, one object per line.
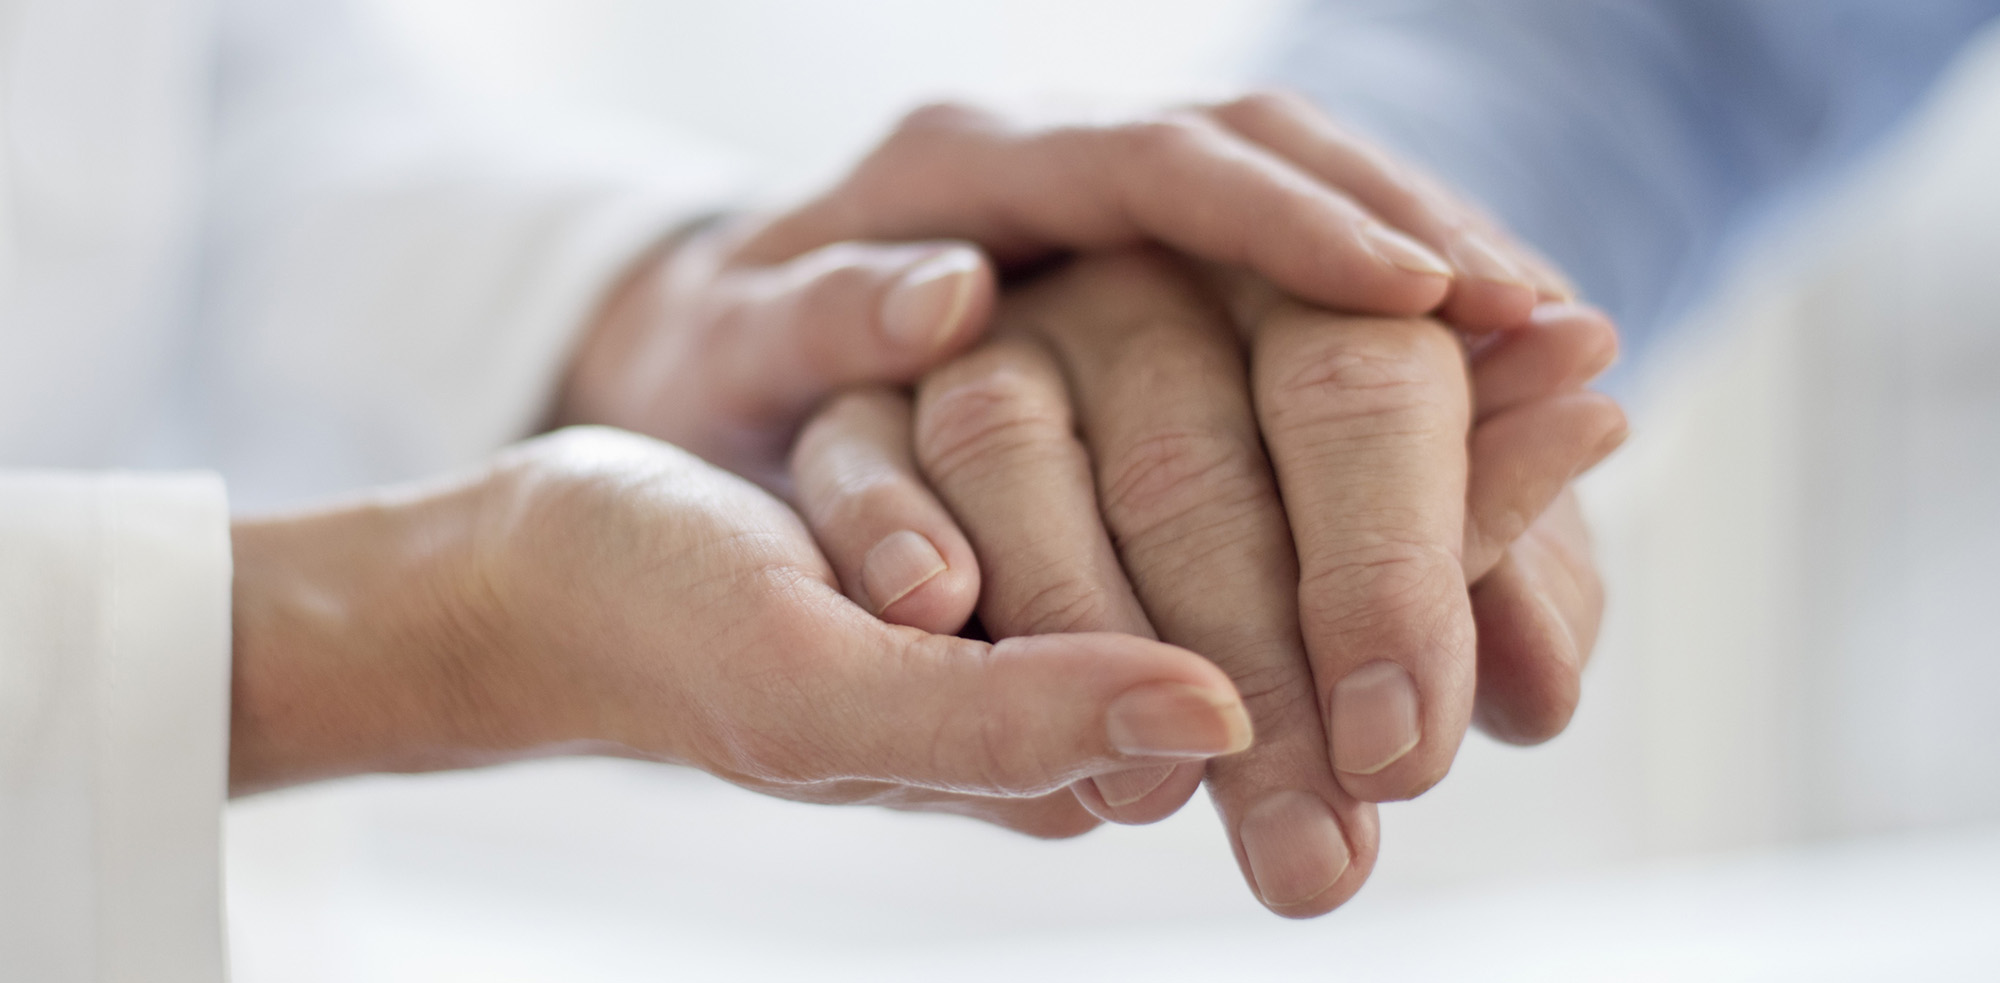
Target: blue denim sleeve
{"x":1631,"y":140}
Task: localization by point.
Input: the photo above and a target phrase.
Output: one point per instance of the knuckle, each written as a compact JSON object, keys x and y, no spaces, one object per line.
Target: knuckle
{"x":928,"y":134}
{"x":1267,"y":105}
{"x":1066,"y":604}
{"x":1147,"y":276}
{"x":842,"y":412}
{"x":943,"y":114}
{"x":1006,"y":755}
{"x":1363,"y":370}
{"x":816,"y":439}
{"x":1279,"y":698}
{"x":994,"y":743}
{"x":999,"y":411}
{"x":1140,"y":299}
{"x":1388,"y":594}
{"x":1164,"y":137}
{"x":1154,"y":484}
{"x":828,"y":431}
{"x":863,"y":502}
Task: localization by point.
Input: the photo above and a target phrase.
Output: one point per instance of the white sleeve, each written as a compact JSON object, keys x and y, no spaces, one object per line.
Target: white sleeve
{"x":396,"y":272}
{"x":114,"y":726}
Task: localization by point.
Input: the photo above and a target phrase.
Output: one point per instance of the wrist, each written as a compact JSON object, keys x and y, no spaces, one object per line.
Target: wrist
{"x":363,"y":642}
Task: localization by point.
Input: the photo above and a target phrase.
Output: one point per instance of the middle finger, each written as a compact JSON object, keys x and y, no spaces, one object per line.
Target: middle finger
{"x":995,"y":439}
{"x":1366,"y":420}
{"x":1188,"y":496}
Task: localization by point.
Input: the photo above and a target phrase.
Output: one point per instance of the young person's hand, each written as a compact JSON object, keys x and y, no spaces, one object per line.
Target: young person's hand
{"x":599,"y":592}
{"x":727,"y":338}
{"x":1300,"y":496}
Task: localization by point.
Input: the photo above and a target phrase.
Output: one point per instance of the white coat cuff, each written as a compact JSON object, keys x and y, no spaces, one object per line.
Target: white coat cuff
{"x":114,"y":725}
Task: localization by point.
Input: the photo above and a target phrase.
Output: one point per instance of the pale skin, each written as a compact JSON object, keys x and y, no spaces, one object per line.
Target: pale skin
{"x":602,"y":593}
{"x":595,"y":591}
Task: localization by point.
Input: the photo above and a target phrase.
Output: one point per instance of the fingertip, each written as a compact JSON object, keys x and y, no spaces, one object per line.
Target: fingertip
{"x":940,"y":302}
{"x":940,"y":595}
{"x":1604,"y":423}
{"x":1591,"y":334}
{"x":1492,"y":292}
{"x":1352,"y":271}
{"x":1412,"y":778}
{"x":1304,"y":857}
{"x":1170,"y":719}
{"x":1560,"y":347}
{"x":1160,"y":704}
{"x":1530,"y":668}
{"x":1390,"y":738}
{"x":1522,"y":724}
{"x":1140,"y":796}
{"x":897,"y":550}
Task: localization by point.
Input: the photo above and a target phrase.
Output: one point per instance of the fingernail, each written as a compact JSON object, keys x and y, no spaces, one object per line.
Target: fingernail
{"x":900,"y":563}
{"x":1405,"y":253}
{"x":926,"y":306}
{"x":1559,"y":314}
{"x":1374,"y":718}
{"x":1478,"y":258}
{"x":1294,"y":847}
{"x":1178,"y":720}
{"x":1122,"y":788}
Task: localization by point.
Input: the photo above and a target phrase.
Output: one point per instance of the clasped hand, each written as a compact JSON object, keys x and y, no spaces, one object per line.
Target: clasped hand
{"x":1215,"y":529}
{"x":1288,"y":498}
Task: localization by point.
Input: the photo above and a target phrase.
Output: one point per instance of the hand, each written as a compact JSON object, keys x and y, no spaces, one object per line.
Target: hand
{"x":595,"y":591}
{"x":1304,"y":503}
{"x":725,"y":341}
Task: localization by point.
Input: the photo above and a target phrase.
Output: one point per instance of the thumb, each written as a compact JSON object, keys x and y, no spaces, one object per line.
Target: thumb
{"x":847,"y":314}
{"x":1022,"y":717}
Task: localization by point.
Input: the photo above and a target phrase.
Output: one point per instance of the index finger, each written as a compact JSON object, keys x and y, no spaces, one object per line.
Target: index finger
{"x":1180,"y":179}
{"x":1366,"y":421}
{"x":1500,"y":278}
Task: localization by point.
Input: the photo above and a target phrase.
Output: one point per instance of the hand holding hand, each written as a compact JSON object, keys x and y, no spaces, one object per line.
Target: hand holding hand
{"x":599,"y":592}
{"x":727,"y":339}
{"x":1303,"y":500}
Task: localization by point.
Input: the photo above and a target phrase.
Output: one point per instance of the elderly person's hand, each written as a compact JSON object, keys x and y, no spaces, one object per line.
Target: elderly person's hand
{"x":596,"y":591}
{"x":727,"y":339}
{"x":1304,"y":500}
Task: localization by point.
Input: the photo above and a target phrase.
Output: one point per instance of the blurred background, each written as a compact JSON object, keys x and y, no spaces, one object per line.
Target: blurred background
{"x":1786,"y":766}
